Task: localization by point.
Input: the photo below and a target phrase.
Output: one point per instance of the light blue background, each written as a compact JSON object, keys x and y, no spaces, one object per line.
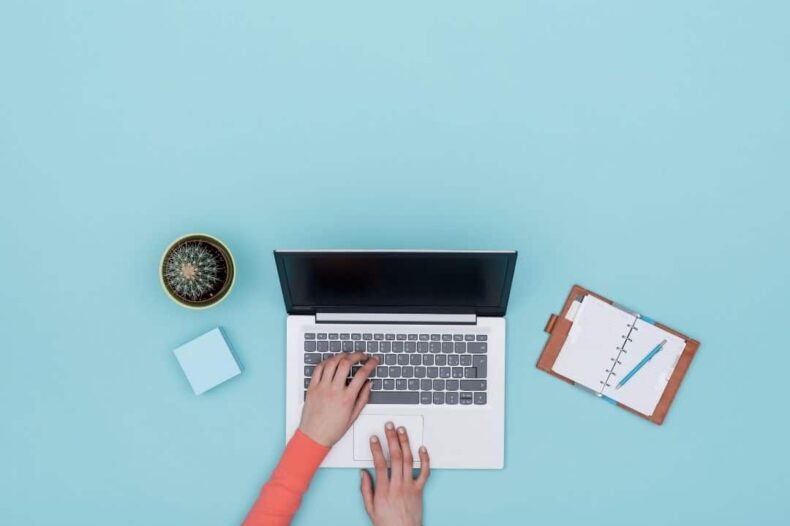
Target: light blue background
{"x":638,"y":148}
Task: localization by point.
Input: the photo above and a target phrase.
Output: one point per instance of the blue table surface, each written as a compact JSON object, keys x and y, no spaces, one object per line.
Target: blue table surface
{"x":637,"y":148}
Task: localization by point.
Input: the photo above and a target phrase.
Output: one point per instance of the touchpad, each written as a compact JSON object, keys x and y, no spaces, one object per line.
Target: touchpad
{"x":368,"y":425}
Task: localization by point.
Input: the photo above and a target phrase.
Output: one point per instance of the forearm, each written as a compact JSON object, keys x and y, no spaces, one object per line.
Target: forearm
{"x":281,"y":495}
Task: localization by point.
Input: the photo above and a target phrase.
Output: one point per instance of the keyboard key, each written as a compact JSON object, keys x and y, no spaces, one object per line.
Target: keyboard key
{"x":458,"y":372}
{"x":447,"y":347}
{"x":306,"y":383}
{"x":473,"y":385}
{"x":465,"y":398}
{"x":407,"y":371}
{"x":426,"y":385}
{"x":359,"y":346}
{"x":469,"y":337}
{"x":322,"y":336}
{"x":466,"y":359}
{"x":381,"y":371}
{"x":376,"y":385}
{"x":334,"y":346}
{"x":389,"y":385}
{"x":451,"y":398}
{"x":326,"y":356}
{"x":424,"y":337}
{"x":395,"y":371}
{"x":436,"y":337}
{"x":453,"y":360}
{"x":404,"y":397}
{"x":414,"y":384}
{"x":367,"y":336}
{"x":385,"y":346}
{"x":422,"y":347}
{"x":390,"y":359}
{"x":460,"y":347}
{"x":445,"y":372}
{"x":397,"y":346}
{"x":312,"y":358}
{"x":476,"y":347}
{"x":452,"y":385}
{"x":400,"y":384}
{"x":438,"y":398}
{"x":401,"y":337}
{"x":333,"y":336}
{"x":447,"y":337}
{"x":427,"y":359}
{"x":480,"y":398}
{"x":373,"y":347}
{"x":470,"y":372}
{"x":323,"y":346}
{"x":390,"y":336}
{"x":344,"y":336}
{"x":419,"y":372}
{"x":438,"y":385}
{"x":308,"y":370}
{"x":433,"y":372}
{"x":355,"y":369}
{"x":309,"y":346}
{"x":436,"y":347}
{"x":441,"y":360}
{"x":481,"y":363}
{"x":378,"y":336}
{"x":348,"y":346}
{"x":482,"y":337}
{"x":356,"y":336}
{"x":415,"y":359}
{"x":426,"y":398}
{"x":458,"y":337}
{"x":403,"y":359}
{"x":309,"y":336}
{"x":412,"y":337}
{"x":411,"y":347}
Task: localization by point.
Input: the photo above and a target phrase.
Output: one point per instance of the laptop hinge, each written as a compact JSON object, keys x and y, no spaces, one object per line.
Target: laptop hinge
{"x":383,"y":318}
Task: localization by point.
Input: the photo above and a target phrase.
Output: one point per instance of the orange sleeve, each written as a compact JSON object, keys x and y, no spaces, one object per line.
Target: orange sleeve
{"x":280,"y":497}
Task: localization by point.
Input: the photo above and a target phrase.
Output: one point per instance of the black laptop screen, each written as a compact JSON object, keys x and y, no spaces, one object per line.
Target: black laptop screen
{"x":473,"y":282}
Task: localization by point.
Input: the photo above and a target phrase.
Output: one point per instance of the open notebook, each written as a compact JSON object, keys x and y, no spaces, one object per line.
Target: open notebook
{"x":606,"y":342}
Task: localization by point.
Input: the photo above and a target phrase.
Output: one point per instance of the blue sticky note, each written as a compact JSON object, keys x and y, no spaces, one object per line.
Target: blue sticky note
{"x":207,"y":361}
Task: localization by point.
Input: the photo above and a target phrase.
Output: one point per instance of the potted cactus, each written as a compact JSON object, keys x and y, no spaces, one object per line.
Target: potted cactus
{"x":197,"y":271}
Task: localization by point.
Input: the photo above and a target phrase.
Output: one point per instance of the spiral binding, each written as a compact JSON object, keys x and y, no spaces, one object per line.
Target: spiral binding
{"x":621,"y":350}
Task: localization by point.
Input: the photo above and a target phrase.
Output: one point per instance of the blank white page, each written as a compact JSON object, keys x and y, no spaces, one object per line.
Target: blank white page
{"x":593,"y":343}
{"x":643,"y":391}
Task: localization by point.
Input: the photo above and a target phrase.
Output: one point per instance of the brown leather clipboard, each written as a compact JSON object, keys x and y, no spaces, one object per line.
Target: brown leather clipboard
{"x":558,"y":328}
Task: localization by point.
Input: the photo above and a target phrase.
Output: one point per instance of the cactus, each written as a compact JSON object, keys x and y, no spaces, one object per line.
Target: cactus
{"x":194,"y":270}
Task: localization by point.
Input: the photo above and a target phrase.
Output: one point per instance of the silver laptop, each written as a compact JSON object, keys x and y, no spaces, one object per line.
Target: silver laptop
{"x":435,"y":320}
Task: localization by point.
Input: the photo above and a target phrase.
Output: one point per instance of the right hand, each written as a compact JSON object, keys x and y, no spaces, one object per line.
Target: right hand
{"x":331,"y":405}
{"x":397,"y":499}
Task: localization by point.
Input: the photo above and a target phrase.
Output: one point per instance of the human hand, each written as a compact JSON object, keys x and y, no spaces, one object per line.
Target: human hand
{"x":331,"y":405}
{"x":397,"y":499}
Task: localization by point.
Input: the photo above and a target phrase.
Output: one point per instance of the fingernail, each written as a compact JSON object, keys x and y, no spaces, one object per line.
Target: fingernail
{"x":361,"y":474}
{"x":374,"y":438}
{"x":389,"y":425}
{"x":401,"y":430}
{"x":423,"y":449}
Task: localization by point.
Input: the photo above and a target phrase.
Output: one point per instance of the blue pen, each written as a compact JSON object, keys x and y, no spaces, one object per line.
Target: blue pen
{"x":641,"y":364}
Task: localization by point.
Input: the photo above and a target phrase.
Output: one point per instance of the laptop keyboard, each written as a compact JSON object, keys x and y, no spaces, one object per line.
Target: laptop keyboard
{"x":414,"y":368}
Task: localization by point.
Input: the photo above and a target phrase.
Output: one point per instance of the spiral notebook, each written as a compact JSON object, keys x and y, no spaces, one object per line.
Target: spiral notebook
{"x":598,"y":343}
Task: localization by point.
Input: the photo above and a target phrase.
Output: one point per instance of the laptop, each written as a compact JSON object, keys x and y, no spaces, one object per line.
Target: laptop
{"x":434,"y":319}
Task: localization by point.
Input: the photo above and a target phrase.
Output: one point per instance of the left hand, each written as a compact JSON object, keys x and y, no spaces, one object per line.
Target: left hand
{"x":331,"y":405}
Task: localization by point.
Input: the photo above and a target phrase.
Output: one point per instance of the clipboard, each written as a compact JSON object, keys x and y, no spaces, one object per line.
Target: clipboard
{"x":558,"y":328}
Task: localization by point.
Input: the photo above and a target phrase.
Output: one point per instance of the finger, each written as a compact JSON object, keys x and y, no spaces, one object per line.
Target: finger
{"x":362,"y":375}
{"x":380,"y":463}
{"x":366,"y":486}
{"x":330,"y":366}
{"x":425,"y":468}
{"x":362,"y":400}
{"x":316,"y":375}
{"x":396,"y":456}
{"x":341,"y":375}
{"x":408,"y":461}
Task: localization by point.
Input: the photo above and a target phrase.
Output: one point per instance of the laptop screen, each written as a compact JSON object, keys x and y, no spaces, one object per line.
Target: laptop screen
{"x":399,"y":281}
